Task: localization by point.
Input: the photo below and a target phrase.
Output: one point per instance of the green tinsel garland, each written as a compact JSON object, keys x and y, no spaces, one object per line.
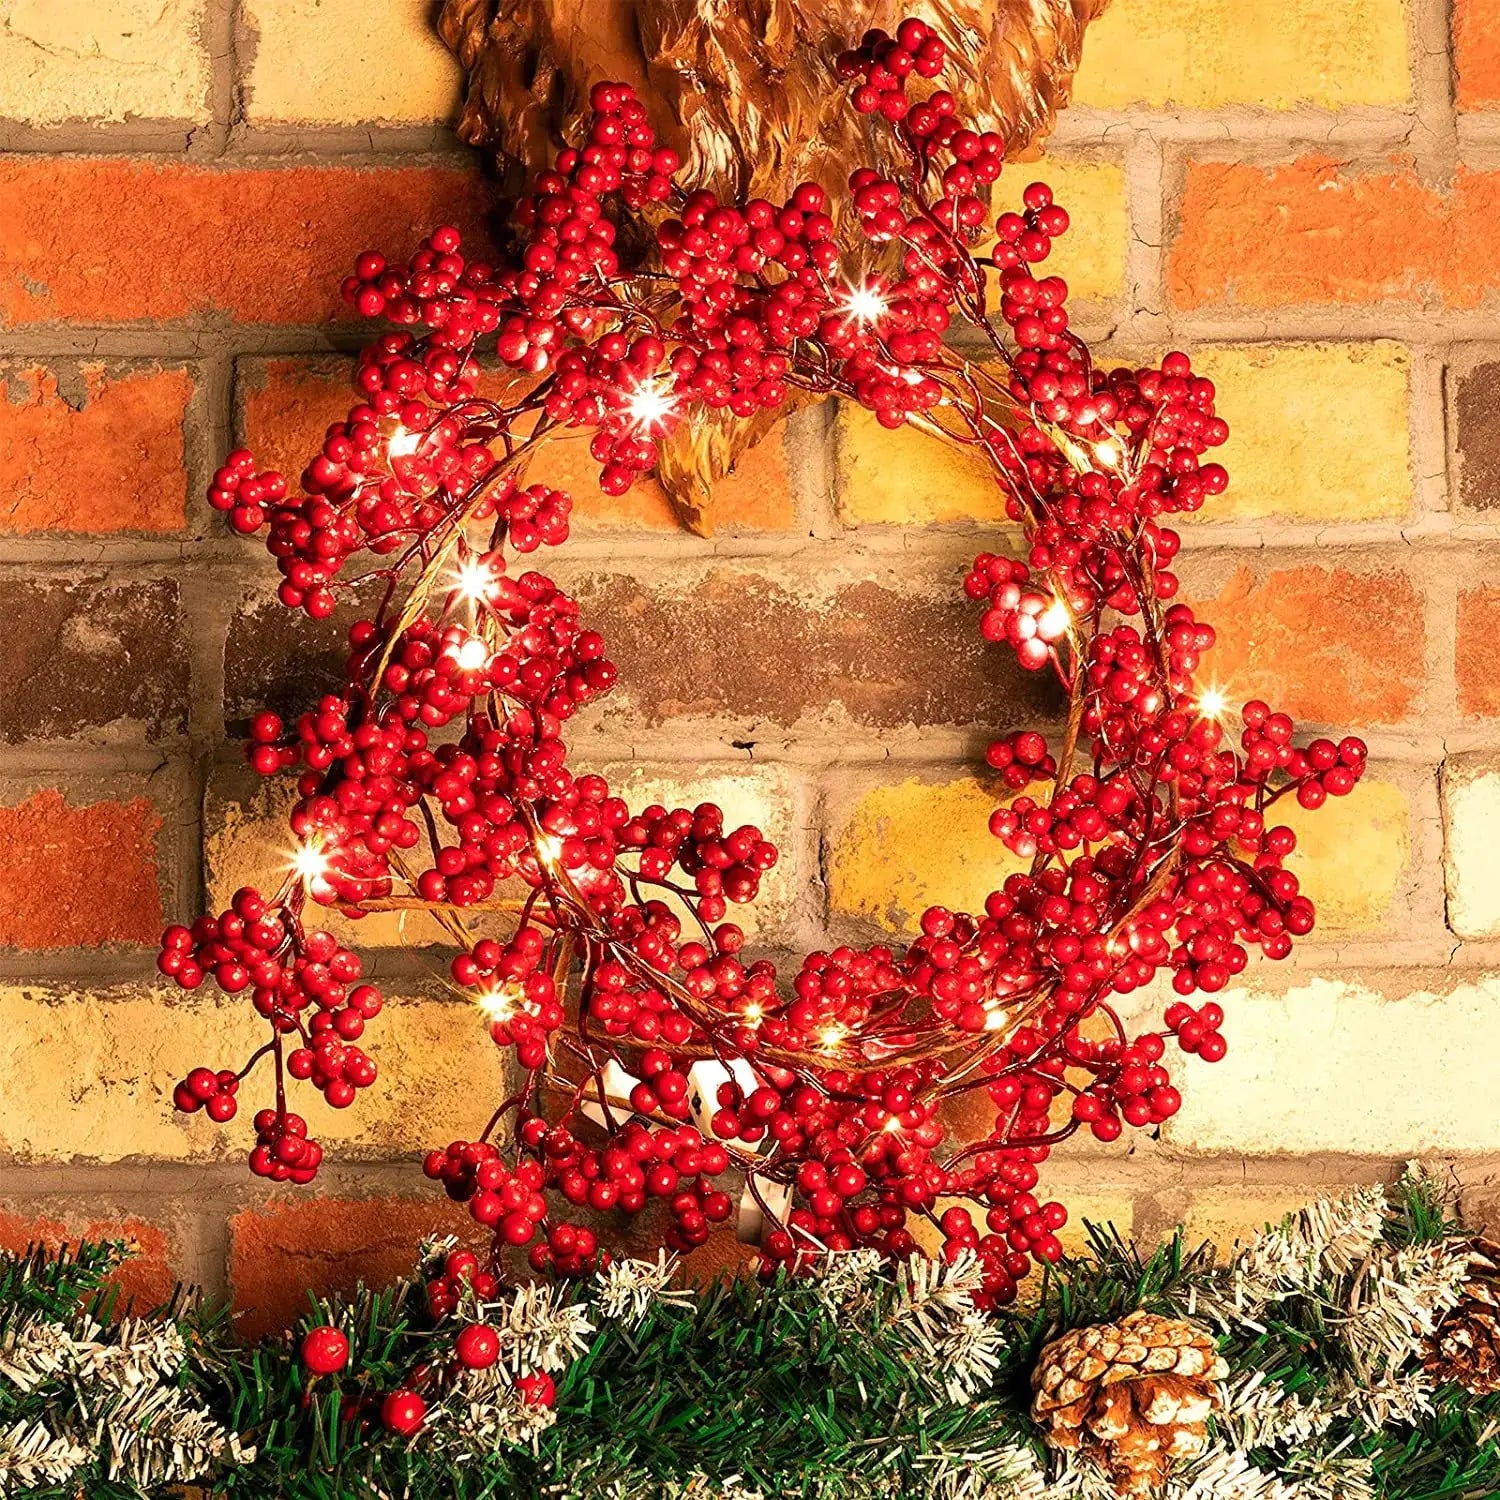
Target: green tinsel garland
{"x":851,"y":1383}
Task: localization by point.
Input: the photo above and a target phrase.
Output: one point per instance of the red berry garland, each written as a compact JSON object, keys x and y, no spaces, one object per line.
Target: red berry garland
{"x":657,"y":1056}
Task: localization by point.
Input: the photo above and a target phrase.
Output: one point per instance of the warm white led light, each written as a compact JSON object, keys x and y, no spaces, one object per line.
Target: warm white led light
{"x":473,"y":655}
{"x":499,"y":1006}
{"x":1054,"y":620}
{"x":864,"y":304}
{"x":649,"y":405}
{"x":830,"y":1038}
{"x":1212,"y":703}
{"x":404,"y":442}
{"x":473,"y":579}
{"x":309,"y":863}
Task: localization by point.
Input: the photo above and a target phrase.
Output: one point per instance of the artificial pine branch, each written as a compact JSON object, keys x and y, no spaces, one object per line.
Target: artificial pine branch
{"x":826,"y":1386}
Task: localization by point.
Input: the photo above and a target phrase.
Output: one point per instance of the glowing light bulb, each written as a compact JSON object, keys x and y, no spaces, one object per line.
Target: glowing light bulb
{"x":831,"y":1037}
{"x":473,"y":655}
{"x":309,"y":863}
{"x":892,"y":1125}
{"x":472,"y":579}
{"x":649,"y":405}
{"x":1212,"y":703}
{"x":754,"y":1013}
{"x":1108,"y":454}
{"x":404,"y":442}
{"x":995,"y":1018}
{"x":499,"y":1006}
{"x":1053,"y":621}
{"x":864,"y":303}
{"x":549,"y":847}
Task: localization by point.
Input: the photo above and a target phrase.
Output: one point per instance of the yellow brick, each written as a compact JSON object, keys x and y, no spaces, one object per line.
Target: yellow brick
{"x":1227,"y":1218}
{"x":347,"y":62}
{"x":1317,"y":432}
{"x":1471,"y":819}
{"x":102,"y":60}
{"x":1352,"y":854}
{"x":1273,"y":54}
{"x":89,"y":1076}
{"x":906,"y":477}
{"x":1341,"y":1064}
{"x":1091,"y":256}
{"x":914,"y":844}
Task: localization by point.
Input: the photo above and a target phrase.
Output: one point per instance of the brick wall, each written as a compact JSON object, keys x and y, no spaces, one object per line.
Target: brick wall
{"x":1304,"y":193}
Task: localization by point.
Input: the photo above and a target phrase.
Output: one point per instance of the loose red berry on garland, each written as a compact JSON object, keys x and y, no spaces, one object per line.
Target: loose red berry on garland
{"x":325,"y":1351}
{"x":403,"y":1412}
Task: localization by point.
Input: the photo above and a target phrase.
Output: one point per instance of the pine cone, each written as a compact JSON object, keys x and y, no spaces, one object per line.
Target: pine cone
{"x":1465,"y":1350}
{"x":1135,"y":1394}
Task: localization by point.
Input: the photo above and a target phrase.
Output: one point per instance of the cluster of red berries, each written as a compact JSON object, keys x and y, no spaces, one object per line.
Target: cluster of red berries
{"x":213,"y":1093}
{"x":458,"y":1272}
{"x":656,"y":1052}
{"x":283,"y":1150}
{"x":261,"y":946}
{"x":886,"y":62}
{"x":509,"y":1202}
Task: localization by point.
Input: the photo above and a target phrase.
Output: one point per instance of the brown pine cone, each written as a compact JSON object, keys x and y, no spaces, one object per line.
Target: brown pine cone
{"x":1465,"y":1350}
{"x":1136,"y":1394}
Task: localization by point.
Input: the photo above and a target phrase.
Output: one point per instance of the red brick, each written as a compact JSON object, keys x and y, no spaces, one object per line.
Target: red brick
{"x":1477,"y":665}
{"x":51,"y":854}
{"x":114,"y":239}
{"x":92,"y":448}
{"x":148,"y":1276}
{"x":286,"y":405}
{"x":83,"y":655}
{"x":1474,"y":419}
{"x":279,"y":659}
{"x":281,"y":1252}
{"x":1476,"y":46}
{"x":1318,"y":230}
{"x":1325,"y":644}
{"x":781,"y":650}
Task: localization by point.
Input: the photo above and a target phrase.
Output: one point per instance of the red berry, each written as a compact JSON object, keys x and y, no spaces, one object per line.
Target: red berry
{"x":403,"y":1412}
{"x":477,"y":1347}
{"x":325,"y":1351}
{"x":537,"y":1389}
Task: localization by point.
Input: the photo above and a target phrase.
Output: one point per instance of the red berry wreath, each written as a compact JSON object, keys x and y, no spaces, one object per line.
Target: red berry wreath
{"x":655,"y":1058}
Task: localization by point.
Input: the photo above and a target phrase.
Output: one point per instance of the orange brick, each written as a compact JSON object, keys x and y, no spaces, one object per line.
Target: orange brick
{"x":51,"y":856}
{"x":113,"y":239}
{"x":88,"y":448}
{"x":286,"y":405}
{"x":1476,"y":46}
{"x":755,"y":497}
{"x":282,"y":1252}
{"x":147,"y":1277}
{"x":1325,"y":644}
{"x":1317,"y":230}
{"x":1477,"y":666}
